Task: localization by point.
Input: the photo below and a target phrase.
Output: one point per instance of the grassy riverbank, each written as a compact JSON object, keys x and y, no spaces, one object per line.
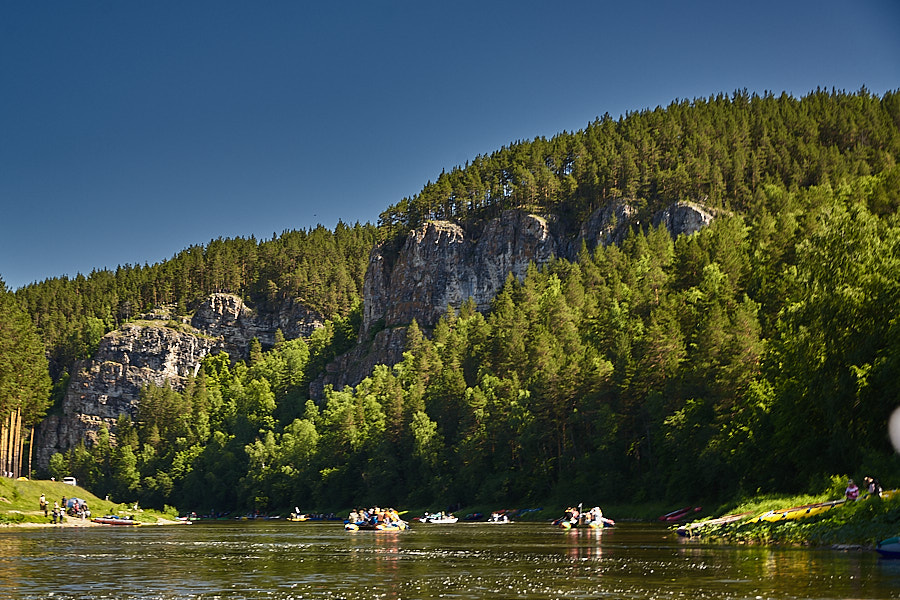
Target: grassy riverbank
{"x":19,"y":503}
{"x":853,"y":523}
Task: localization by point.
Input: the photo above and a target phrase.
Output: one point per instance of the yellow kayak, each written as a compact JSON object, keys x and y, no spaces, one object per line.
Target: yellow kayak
{"x":798,"y":512}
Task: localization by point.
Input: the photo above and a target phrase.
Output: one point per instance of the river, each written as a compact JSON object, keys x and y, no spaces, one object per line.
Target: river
{"x":284,"y":560}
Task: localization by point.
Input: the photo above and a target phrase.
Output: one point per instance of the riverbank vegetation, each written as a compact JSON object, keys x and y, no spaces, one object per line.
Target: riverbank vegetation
{"x":862,"y":523}
{"x":757,"y":356}
{"x":19,"y":503}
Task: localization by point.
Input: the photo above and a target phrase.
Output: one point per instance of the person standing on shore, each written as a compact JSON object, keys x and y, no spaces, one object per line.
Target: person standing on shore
{"x":852,"y":492}
{"x":43,"y":504}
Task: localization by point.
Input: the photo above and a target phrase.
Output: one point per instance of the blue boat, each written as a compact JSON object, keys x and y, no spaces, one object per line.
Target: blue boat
{"x":889,"y":548}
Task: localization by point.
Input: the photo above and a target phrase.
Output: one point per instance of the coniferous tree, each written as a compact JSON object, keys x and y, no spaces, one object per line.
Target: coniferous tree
{"x":24,"y":382}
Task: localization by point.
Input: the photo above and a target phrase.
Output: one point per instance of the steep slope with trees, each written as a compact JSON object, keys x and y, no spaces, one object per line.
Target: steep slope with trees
{"x":24,"y":383}
{"x":757,"y":354}
{"x":319,"y":268}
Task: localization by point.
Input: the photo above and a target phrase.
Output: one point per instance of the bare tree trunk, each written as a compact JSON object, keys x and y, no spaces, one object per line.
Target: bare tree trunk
{"x":16,"y":446}
{"x":30,"y":450}
{"x":4,"y":443}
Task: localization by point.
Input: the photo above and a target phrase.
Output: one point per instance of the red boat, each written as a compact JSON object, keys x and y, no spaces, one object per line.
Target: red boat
{"x":680,"y":514}
{"x":113,"y":520}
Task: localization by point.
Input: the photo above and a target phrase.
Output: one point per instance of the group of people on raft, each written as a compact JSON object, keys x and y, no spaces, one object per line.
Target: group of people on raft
{"x":576,"y":517}
{"x":373,"y":517}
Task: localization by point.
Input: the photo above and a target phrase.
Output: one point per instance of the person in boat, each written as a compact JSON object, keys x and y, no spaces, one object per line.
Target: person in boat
{"x":595,"y":515}
{"x":571,"y":516}
{"x":852,"y":492}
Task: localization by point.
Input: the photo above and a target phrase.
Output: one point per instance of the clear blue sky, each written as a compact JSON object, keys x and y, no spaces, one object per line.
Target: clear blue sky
{"x":131,"y":130}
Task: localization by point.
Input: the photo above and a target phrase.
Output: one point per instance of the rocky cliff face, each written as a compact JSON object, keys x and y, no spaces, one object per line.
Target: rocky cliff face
{"x":683,"y":218}
{"x":442,"y":264}
{"x":226,"y":316}
{"x":101,"y":389}
{"x":158,"y":350}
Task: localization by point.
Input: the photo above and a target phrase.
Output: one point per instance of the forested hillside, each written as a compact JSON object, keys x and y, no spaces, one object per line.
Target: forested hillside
{"x":718,"y":150}
{"x":322,"y":268}
{"x":759,"y":354}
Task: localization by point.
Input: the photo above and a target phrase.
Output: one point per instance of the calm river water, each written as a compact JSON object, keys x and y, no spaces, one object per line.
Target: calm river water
{"x":281,"y":560}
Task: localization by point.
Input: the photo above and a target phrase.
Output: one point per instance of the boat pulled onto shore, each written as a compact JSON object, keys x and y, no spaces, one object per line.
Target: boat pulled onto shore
{"x":114,"y":520}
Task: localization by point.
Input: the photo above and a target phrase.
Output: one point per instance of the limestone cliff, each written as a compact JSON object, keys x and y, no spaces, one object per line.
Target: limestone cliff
{"x":683,"y":218}
{"x":128,"y":359}
{"x":226,"y":316}
{"x":439,"y":265}
{"x":442,"y":264}
{"x":158,"y":350}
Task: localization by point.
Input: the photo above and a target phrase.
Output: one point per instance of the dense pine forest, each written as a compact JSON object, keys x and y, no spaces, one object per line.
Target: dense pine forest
{"x":323,"y":269}
{"x":760,"y":354}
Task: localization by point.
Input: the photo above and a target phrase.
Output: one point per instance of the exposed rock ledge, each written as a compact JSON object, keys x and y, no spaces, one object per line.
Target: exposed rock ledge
{"x":110,"y":384}
{"x":442,"y":264}
{"x":158,"y":350}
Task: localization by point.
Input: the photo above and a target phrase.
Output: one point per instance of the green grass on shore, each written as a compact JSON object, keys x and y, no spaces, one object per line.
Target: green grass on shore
{"x":19,"y":502}
{"x":861,"y":523}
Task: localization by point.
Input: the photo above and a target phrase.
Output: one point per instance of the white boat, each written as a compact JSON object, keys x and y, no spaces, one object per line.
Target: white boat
{"x":439,"y":518}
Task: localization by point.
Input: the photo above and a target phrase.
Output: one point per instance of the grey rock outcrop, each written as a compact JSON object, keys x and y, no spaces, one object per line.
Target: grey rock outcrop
{"x":683,"y":218}
{"x":607,"y":225}
{"x":442,"y":264}
{"x":385,"y":348}
{"x":226,"y":316}
{"x":110,"y":384}
{"x":159,"y":350}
